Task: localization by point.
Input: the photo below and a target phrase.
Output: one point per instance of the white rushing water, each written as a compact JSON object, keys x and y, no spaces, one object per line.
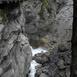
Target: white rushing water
{"x":38,"y":50}
{"x":34,"y":63}
{"x":32,"y":68}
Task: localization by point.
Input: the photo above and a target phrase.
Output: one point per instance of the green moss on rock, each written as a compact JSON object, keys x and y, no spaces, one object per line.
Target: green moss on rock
{"x":45,"y":3}
{"x":43,"y":7}
{"x":3,"y":15}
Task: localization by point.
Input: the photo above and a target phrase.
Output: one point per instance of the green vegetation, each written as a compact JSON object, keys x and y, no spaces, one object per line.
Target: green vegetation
{"x":3,"y":15}
{"x":43,"y":7}
{"x":44,"y":3}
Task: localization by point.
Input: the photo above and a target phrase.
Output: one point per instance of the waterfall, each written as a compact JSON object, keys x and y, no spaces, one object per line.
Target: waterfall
{"x":34,"y":63}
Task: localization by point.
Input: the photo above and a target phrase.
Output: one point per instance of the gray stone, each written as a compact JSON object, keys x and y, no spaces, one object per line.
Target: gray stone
{"x":15,"y":51}
{"x":61,"y":64}
{"x":43,"y":75}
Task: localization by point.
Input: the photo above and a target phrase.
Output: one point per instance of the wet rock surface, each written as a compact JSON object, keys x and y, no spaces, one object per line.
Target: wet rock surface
{"x":41,"y":58}
{"x":55,"y":64}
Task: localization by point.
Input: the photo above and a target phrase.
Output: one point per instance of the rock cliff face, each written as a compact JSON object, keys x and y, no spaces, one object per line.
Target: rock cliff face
{"x":48,"y":21}
{"x":40,"y":15}
{"x":45,"y":23}
{"x":15,"y":52}
{"x":56,"y":63}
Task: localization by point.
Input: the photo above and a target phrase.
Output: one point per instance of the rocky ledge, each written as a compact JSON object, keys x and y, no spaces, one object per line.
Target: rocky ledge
{"x":55,"y":63}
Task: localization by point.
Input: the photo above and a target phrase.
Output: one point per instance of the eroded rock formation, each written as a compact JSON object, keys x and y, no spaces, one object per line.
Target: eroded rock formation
{"x":46,"y":23}
{"x":57,"y":64}
{"x":15,"y":52}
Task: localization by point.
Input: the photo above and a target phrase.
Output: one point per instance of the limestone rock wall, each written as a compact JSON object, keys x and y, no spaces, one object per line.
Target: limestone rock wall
{"x":39,"y":18}
{"x":15,"y":52}
{"x":44,"y":22}
{"x":56,"y":63}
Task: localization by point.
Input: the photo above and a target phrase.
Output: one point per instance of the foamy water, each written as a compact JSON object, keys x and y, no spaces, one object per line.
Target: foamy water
{"x":32,"y":68}
{"x":34,"y":63}
{"x":38,"y":50}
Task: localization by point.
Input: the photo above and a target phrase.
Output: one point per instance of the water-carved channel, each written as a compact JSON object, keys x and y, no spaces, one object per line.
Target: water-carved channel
{"x":34,"y":63}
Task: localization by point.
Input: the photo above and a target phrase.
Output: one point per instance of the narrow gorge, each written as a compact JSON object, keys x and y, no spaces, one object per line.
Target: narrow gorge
{"x":35,"y":38}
